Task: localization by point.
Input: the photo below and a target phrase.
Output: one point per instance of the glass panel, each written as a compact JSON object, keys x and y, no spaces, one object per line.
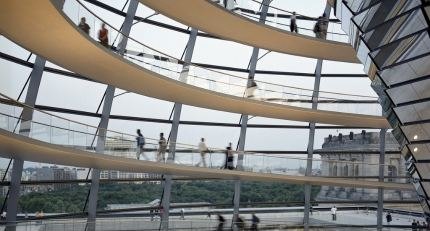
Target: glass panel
{"x":414,"y":112}
{"x":395,"y":29}
{"x":417,"y":132}
{"x":420,"y":151}
{"x":359,"y":5}
{"x":402,"y":49}
{"x":424,"y":170}
{"x":382,"y":12}
{"x":410,"y":92}
{"x":406,"y":71}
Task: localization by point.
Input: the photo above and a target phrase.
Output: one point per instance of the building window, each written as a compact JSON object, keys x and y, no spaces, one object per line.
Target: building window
{"x":392,"y":173}
{"x":345,"y":170}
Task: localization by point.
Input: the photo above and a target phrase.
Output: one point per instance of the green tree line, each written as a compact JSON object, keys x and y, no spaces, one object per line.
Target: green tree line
{"x":71,"y":199}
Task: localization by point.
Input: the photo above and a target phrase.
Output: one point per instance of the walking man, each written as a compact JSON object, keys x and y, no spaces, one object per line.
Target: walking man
{"x":140,"y":145}
{"x":84,"y":26}
{"x":250,"y":90}
{"x":162,"y":146}
{"x":203,"y":149}
{"x":333,"y":213}
{"x":389,"y":218}
{"x":293,"y":24}
{"x":255,"y":221}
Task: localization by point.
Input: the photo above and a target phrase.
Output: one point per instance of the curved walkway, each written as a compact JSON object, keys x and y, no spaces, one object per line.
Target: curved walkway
{"x":56,"y":38}
{"x":17,"y":146}
{"x":210,"y":17}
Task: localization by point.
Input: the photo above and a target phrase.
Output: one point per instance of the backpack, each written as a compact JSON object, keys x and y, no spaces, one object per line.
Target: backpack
{"x":140,"y":141}
{"x":316,"y":27}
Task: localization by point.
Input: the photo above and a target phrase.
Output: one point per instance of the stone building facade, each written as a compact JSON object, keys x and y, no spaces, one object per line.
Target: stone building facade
{"x":365,"y":143}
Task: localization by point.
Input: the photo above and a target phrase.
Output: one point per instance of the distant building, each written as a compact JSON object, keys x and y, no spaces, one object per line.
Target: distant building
{"x":364,"y":142}
{"x":63,"y":174}
{"x":48,"y":173}
{"x":43,"y":173}
{"x":4,"y":189}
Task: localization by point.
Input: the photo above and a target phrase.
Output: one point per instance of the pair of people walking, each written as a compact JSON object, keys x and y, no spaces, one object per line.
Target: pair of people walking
{"x":229,"y":155}
{"x":103,"y":34}
{"x":161,"y":151}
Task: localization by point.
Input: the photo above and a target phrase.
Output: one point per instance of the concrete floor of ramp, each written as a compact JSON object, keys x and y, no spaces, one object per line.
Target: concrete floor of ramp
{"x":202,"y":222}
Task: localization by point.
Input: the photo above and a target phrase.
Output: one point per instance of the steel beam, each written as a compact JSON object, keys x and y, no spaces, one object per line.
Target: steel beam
{"x":104,"y":121}
{"x":24,"y":129}
{"x":315,"y":95}
{"x":174,"y":131}
{"x":379,"y":214}
{"x":245,"y":118}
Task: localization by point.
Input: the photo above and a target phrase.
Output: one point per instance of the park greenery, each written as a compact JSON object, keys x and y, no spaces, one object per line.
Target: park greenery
{"x":71,"y":197}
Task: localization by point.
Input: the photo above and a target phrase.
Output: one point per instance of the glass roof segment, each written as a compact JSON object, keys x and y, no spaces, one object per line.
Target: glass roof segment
{"x":394,"y":38}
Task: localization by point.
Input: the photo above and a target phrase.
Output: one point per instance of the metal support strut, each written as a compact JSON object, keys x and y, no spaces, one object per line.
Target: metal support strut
{"x":25,"y":126}
{"x":174,"y":131}
{"x":104,"y":121}
{"x":379,"y":217}
{"x":315,"y":95}
{"x":244,"y":121}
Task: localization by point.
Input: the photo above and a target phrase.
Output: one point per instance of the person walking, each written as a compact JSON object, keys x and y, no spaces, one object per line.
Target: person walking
{"x":414,"y":225}
{"x":203,"y":149}
{"x":84,"y":26}
{"x":162,"y":146}
{"x":250,"y":90}
{"x":293,"y":24}
{"x":226,"y":156}
{"x":240,"y":223}
{"x":140,"y":145}
{"x":103,"y":35}
{"x":323,"y":26}
{"x":151,"y":214}
{"x":389,"y":218}
{"x":255,"y":220}
{"x":221,"y":222}
{"x":425,"y":225}
{"x":317,"y":28}
{"x":182,"y":214}
{"x":320,"y":28}
{"x":333,"y":213}
{"x":229,"y":158}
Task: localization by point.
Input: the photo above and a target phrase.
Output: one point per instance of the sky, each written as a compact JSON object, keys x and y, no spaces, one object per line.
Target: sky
{"x":65,"y":92}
